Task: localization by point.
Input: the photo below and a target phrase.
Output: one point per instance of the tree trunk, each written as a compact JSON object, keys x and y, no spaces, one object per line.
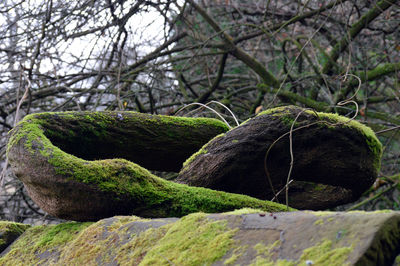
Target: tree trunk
{"x":57,"y":155}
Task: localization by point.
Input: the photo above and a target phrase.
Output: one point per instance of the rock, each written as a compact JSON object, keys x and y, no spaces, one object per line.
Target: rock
{"x":54,"y":154}
{"x":242,"y":237}
{"x":9,"y":231}
{"x":335,"y":159}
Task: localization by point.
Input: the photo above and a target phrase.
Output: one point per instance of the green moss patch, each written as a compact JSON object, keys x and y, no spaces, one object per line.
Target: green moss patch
{"x":41,"y":242}
{"x":203,"y":150}
{"x":373,"y":143}
{"x":325,"y":254}
{"x":194,"y":240}
{"x":9,"y":231}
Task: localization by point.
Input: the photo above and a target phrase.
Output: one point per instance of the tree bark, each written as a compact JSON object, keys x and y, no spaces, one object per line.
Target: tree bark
{"x":327,"y":149}
{"x":57,"y":157}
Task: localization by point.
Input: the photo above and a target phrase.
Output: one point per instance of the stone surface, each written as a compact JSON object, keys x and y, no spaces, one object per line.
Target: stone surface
{"x":334,"y":159}
{"x":244,"y":237}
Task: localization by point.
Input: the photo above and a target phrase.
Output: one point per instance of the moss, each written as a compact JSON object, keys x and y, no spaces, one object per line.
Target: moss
{"x":236,"y":254}
{"x":193,"y":240}
{"x":264,"y":255}
{"x":321,"y":254}
{"x":39,"y":239}
{"x":203,"y":150}
{"x":319,"y":222}
{"x":370,"y":212}
{"x":138,"y":246}
{"x":60,"y":234}
{"x":98,"y":242}
{"x":9,"y":231}
{"x":98,"y":122}
{"x":244,"y":211}
{"x":266,"y":250}
{"x":325,"y":254}
{"x":320,"y":213}
{"x":277,"y":111}
{"x":283,"y":113}
{"x":155,"y":197}
{"x":13,"y":227}
{"x":397,"y":260}
{"x":373,"y":143}
{"x":333,"y":120}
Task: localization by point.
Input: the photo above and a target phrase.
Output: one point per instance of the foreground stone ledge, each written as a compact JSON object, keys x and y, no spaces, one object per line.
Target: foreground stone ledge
{"x":243,"y":237}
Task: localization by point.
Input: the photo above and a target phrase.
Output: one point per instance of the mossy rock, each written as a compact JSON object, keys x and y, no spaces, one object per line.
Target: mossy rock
{"x":75,"y":165}
{"x":243,"y":237}
{"x":335,"y":159}
{"x":9,"y":231}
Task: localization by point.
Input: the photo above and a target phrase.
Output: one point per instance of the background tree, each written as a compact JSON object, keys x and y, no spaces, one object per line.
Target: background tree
{"x":156,"y":56}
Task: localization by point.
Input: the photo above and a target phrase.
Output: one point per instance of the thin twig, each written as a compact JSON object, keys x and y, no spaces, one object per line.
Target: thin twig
{"x":16,"y":119}
{"x":213,"y":110}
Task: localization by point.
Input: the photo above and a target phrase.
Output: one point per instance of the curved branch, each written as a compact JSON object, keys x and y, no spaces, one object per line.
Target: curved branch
{"x":354,"y":31}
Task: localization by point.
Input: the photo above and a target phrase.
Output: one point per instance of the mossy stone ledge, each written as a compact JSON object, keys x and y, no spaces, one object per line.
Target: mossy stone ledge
{"x":335,"y":159}
{"x":243,"y":237}
{"x":90,"y":165}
